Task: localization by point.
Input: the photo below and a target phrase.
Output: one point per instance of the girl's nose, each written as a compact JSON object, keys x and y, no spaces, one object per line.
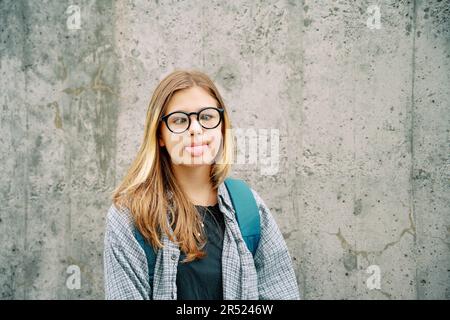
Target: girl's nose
{"x":195,"y":126}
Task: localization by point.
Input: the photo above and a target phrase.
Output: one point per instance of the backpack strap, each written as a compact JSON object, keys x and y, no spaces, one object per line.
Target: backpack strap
{"x":150,"y":253}
{"x":247,"y":212}
{"x":247,"y":215}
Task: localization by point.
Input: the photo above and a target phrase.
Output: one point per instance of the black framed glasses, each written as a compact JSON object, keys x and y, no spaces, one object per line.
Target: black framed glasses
{"x":179,"y":121}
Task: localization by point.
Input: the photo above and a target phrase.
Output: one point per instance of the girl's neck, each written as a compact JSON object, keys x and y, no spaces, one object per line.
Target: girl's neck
{"x":196,"y":184}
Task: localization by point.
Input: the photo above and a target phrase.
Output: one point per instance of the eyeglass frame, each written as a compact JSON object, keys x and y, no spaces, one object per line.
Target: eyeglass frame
{"x":188,"y":114}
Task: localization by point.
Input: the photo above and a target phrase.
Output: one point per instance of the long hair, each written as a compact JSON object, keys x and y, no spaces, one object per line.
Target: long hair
{"x":150,"y":190}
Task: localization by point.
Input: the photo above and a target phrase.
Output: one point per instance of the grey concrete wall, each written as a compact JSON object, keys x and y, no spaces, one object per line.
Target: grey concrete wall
{"x":362,"y":113}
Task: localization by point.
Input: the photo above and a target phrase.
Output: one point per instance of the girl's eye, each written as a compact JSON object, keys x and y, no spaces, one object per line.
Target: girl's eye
{"x":206,"y":117}
{"x":179,"y":120}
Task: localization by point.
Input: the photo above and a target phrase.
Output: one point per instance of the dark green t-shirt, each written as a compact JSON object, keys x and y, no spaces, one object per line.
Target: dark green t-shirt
{"x":202,"y":279}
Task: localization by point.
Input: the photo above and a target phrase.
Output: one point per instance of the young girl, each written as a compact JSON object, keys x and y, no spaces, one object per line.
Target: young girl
{"x":174,"y":195}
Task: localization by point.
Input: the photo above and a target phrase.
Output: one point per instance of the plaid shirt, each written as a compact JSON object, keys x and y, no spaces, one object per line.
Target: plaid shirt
{"x":269,"y":275}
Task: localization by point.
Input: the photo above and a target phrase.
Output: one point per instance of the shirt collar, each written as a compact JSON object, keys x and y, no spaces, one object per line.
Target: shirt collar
{"x":224,"y":199}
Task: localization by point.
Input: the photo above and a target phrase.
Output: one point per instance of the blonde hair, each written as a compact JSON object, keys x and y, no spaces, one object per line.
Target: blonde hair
{"x":150,"y":190}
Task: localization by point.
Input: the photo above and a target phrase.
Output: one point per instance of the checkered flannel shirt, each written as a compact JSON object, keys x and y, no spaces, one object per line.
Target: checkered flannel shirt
{"x":267,"y":276}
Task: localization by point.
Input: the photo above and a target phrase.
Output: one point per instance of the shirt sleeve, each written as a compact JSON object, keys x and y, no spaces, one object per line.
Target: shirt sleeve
{"x":125,"y":269}
{"x":275,"y":272}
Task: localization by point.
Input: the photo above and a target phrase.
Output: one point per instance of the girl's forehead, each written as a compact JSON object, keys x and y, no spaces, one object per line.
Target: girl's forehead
{"x":190,"y":109}
{"x":190,"y":100}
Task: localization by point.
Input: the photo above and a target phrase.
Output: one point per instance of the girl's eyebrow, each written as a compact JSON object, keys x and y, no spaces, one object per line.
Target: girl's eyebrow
{"x":180,"y":108}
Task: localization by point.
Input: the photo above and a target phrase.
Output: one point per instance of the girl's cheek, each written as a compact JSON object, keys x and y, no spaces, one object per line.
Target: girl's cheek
{"x":216,"y":145}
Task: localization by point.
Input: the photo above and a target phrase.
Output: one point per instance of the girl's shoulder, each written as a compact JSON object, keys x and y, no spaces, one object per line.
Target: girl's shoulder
{"x":119,"y":220}
{"x":259,"y":201}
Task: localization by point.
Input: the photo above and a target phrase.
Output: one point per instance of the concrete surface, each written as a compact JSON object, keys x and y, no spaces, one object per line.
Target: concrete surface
{"x":362,"y":114}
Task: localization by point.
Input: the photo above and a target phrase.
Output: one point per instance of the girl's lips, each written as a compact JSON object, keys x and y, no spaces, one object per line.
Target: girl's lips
{"x":196,"y":150}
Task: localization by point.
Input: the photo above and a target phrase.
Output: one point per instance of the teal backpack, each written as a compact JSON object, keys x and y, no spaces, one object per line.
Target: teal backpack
{"x":247,"y":215}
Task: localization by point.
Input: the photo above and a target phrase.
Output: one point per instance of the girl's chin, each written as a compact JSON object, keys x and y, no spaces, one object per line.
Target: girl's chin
{"x":194,"y":161}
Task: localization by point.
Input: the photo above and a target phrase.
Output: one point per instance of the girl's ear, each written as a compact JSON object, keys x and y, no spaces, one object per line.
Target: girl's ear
{"x":159,"y":137}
